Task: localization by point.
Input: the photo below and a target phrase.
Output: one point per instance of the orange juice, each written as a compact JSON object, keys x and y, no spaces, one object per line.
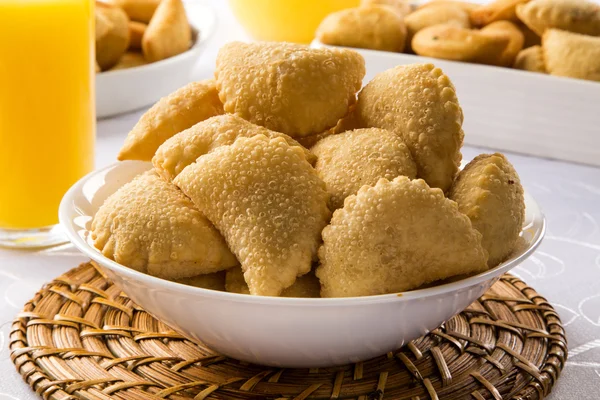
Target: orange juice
{"x":47,"y":117}
{"x":285,"y":20}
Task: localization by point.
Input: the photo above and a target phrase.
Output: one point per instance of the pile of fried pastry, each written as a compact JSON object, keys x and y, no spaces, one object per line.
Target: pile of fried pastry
{"x":557,"y":37}
{"x":282,"y":177}
{"x":130,"y":33}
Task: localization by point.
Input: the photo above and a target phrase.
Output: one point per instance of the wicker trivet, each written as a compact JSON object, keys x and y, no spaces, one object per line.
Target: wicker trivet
{"x":80,"y":337}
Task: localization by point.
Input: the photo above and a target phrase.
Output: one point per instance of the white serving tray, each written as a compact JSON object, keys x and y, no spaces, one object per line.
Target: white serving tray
{"x":130,"y":89}
{"x":514,"y":110}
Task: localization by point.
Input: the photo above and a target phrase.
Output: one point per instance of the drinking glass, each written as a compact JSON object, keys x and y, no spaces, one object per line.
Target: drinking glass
{"x":47,"y":117}
{"x":285,"y":20}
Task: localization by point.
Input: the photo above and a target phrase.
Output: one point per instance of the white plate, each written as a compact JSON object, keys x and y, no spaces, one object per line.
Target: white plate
{"x":277,"y":331}
{"x":513,"y":110}
{"x":129,"y":89}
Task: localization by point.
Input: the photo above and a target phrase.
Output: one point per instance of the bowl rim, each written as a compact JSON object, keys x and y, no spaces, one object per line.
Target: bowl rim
{"x":202,"y":32}
{"x":66,"y":209}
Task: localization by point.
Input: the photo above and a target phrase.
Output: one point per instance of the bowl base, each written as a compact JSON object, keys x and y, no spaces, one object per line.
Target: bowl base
{"x":467,"y":355}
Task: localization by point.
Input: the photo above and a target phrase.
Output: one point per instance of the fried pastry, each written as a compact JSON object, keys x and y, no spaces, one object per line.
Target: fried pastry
{"x":578,"y":16}
{"x":368,"y":27}
{"x":396,"y":236}
{"x":509,"y":31}
{"x":269,"y":204}
{"x":129,"y":60}
{"x":530,"y":59}
{"x":172,"y":114}
{"x":136,"y":33}
{"x":286,"y":87}
{"x":451,"y":42}
{"x":435,"y":15}
{"x":400,"y":7}
{"x":112,"y":45}
{"x":418,"y":102}
{"x":102,"y":25}
{"x":150,"y":226}
{"x":168,"y":32}
{"x":138,"y":10}
{"x":352,"y":159}
{"x":489,"y":192}
{"x":499,"y":10}
{"x":465,"y":5}
{"x":309,"y":141}
{"x":531,"y":38}
{"x":214,"y":281}
{"x":305,"y":286}
{"x":185,"y":147}
{"x":571,"y":54}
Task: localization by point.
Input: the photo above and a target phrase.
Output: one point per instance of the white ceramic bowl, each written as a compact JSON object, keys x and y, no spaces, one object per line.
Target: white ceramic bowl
{"x":286,"y":332}
{"x":129,"y":89}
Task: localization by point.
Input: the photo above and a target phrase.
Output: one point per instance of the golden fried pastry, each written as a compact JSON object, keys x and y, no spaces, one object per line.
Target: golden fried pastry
{"x":348,"y":123}
{"x":168,"y":32}
{"x":400,"y":7}
{"x":138,"y":10}
{"x":530,"y":59}
{"x":269,"y":204}
{"x":97,"y":67}
{"x":150,"y":226}
{"x":396,"y":236}
{"x":418,"y":102}
{"x":309,"y":141}
{"x":352,"y":159}
{"x":112,"y":45}
{"x":498,"y":10}
{"x":435,"y":15}
{"x":579,"y":16}
{"x":451,"y":42}
{"x":489,"y":192}
{"x":465,"y":5}
{"x":136,"y":33}
{"x":571,"y":54}
{"x":129,"y":60}
{"x":172,"y":114}
{"x":508,"y":30}
{"x":214,"y":281}
{"x":185,"y":147}
{"x":305,"y":286}
{"x":368,"y":27}
{"x":531,"y":38}
{"x":288,"y":88}
{"x":103,"y":25}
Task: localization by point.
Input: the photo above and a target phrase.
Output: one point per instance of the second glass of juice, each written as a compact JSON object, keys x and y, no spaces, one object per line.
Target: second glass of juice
{"x":47,"y":117}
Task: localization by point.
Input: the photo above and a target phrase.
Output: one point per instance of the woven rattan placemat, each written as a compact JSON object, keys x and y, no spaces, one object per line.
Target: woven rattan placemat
{"x":80,"y":337}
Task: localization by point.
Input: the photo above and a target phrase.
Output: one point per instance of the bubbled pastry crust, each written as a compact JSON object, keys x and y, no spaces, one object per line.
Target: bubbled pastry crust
{"x":184,"y":148}
{"x":268,"y":203}
{"x":288,"y":88}
{"x":305,"y":286}
{"x":150,"y":226}
{"x":180,"y":110}
{"x":360,"y":157}
{"x":418,"y":102}
{"x":396,"y":236}
{"x":489,"y":192}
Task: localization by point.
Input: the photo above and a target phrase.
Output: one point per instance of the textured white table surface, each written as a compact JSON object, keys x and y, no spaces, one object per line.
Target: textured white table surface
{"x":565,"y":269}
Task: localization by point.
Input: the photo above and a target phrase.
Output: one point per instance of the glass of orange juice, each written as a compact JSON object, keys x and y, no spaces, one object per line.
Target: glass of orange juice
{"x":285,"y":20}
{"x":47,"y":117}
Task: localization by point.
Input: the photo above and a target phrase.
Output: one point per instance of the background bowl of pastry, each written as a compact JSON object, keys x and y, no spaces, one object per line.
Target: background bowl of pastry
{"x":123,"y":90}
{"x":281,"y":331}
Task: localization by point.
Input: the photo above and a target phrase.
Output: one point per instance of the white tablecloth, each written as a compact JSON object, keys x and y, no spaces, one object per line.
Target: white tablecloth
{"x":565,"y":269}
